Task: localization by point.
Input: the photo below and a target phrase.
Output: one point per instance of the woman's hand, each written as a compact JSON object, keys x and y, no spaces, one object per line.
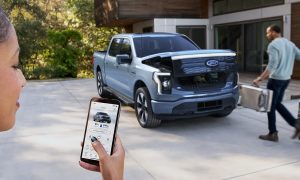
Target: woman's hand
{"x":111,"y":167}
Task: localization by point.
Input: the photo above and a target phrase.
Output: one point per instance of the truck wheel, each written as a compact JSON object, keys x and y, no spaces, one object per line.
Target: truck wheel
{"x":143,"y":109}
{"x":100,"y":85}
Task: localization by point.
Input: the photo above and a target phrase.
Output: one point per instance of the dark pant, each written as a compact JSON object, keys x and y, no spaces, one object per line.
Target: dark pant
{"x":278,"y":87}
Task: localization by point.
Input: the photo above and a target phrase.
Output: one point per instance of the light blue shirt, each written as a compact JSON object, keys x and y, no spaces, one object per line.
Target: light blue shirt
{"x":282,"y":55}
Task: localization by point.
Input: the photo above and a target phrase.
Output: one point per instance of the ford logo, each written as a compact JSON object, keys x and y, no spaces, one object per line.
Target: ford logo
{"x":212,"y":63}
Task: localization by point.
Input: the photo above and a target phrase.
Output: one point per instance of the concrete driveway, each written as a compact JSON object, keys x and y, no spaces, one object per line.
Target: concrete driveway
{"x":45,"y":143}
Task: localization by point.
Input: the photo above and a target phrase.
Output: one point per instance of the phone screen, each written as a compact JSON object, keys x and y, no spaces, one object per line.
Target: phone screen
{"x":101,"y":123}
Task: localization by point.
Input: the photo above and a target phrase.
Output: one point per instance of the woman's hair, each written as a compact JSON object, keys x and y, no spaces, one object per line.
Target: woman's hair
{"x":4,"y":26}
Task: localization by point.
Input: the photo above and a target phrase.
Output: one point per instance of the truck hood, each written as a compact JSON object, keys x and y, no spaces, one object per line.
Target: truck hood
{"x":190,"y":54}
{"x":187,"y":63}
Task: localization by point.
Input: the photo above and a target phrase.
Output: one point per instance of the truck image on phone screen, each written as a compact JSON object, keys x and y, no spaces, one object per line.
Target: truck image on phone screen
{"x":167,"y":76}
{"x":102,"y":117}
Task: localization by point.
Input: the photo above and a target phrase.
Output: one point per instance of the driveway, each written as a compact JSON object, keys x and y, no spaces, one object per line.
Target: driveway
{"x":45,"y":143}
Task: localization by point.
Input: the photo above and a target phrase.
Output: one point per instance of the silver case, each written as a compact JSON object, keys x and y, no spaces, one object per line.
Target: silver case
{"x":255,"y":98}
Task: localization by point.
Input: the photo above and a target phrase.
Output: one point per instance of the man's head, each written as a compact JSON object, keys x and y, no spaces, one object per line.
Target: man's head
{"x":273,"y":32}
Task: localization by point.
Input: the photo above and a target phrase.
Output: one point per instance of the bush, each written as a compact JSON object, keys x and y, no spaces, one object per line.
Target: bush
{"x":64,"y":53}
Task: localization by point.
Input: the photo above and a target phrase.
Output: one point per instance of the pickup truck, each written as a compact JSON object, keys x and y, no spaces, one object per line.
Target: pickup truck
{"x":167,"y":76}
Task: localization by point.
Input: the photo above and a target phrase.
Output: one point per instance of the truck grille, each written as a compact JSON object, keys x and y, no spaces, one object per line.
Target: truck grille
{"x":207,"y":82}
{"x":209,"y":105}
{"x":194,"y":66}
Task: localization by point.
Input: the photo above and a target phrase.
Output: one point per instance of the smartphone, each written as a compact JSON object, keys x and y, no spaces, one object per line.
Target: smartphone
{"x":102,"y":123}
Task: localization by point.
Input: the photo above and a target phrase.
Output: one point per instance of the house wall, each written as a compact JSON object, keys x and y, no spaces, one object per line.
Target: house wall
{"x":158,"y":8}
{"x":295,"y":34}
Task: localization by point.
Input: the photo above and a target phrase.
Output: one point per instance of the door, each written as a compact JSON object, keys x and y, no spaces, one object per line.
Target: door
{"x":256,"y":44}
{"x":195,"y":33}
{"x":248,"y":41}
{"x":253,"y":47}
{"x":125,"y":72}
{"x":111,"y":65}
{"x":230,"y":37}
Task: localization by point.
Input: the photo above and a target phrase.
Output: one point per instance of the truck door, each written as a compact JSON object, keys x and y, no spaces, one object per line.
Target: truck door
{"x":126,"y":72}
{"x":111,"y":64}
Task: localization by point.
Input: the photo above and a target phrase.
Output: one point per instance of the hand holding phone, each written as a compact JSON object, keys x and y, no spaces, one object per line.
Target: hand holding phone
{"x":111,"y":167}
{"x":102,"y":122}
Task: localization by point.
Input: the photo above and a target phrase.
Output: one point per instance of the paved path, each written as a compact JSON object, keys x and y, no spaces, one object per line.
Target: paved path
{"x":45,"y":143}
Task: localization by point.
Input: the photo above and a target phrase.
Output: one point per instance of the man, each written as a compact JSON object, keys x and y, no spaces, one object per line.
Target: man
{"x":282,"y":54}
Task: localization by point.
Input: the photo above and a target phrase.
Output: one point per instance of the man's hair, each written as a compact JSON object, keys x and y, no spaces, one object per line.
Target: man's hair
{"x":4,"y":26}
{"x":275,"y":28}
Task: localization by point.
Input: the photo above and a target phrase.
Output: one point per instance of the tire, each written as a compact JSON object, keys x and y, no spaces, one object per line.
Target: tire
{"x":143,"y":109}
{"x":100,"y":84}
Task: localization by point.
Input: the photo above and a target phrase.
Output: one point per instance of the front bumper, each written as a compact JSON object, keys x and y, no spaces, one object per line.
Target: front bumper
{"x":196,"y":106}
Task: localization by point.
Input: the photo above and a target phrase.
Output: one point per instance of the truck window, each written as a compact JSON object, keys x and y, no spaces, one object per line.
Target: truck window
{"x":126,"y":48}
{"x":146,"y":45}
{"x":115,"y":47}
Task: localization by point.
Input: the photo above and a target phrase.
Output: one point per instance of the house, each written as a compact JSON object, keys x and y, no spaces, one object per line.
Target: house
{"x":238,"y":25}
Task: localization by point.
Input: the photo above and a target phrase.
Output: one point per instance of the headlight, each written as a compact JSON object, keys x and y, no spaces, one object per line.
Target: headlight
{"x":163,"y":81}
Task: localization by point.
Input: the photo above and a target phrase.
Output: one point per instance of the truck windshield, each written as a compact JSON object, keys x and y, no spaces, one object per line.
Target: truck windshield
{"x":149,"y":45}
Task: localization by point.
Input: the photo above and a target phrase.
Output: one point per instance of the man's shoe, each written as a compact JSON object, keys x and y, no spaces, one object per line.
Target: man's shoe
{"x":270,"y":137}
{"x":297,"y":129}
{"x":297,"y":132}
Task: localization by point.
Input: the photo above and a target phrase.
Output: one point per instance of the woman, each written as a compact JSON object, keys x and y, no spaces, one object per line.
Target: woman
{"x":11,"y":77}
{"x":11,"y":83}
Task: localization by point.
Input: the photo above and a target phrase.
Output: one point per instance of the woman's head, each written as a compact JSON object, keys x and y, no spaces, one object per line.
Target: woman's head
{"x":11,"y":78}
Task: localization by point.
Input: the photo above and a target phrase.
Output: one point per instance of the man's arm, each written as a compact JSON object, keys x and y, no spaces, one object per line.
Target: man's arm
{"x":273,"y":63}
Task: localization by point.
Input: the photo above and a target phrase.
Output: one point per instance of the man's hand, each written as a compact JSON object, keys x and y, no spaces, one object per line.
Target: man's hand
{"x":256,"y":81}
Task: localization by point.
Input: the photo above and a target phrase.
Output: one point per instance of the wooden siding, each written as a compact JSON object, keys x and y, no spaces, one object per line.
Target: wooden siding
{"x":295,"y":35}
{"x":126,"y":12}
{"x":159,"y":8}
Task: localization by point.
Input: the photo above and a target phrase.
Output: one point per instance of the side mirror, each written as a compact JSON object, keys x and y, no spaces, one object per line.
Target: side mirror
{"x":123,"y":59}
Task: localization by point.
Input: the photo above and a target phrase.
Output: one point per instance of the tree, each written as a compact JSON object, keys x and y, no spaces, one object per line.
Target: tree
{"x":28,"y":21}
{"x":94,"y":38}
{"x":38,"y":22}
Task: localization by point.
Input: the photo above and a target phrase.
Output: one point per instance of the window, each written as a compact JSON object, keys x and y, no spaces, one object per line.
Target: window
{"x":228,"y":6}
{"x":248,"y":40}
{"x":195,"y":33}
{"x":126,"y":48}
{"x":252,"y":4}
{"x":147,"y":29}
{"x":146,"y":45}
{"x":271,"y":2}
{"x":219,"y":7}
{"x":115,"y":47}
{"x":234,"y":5}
